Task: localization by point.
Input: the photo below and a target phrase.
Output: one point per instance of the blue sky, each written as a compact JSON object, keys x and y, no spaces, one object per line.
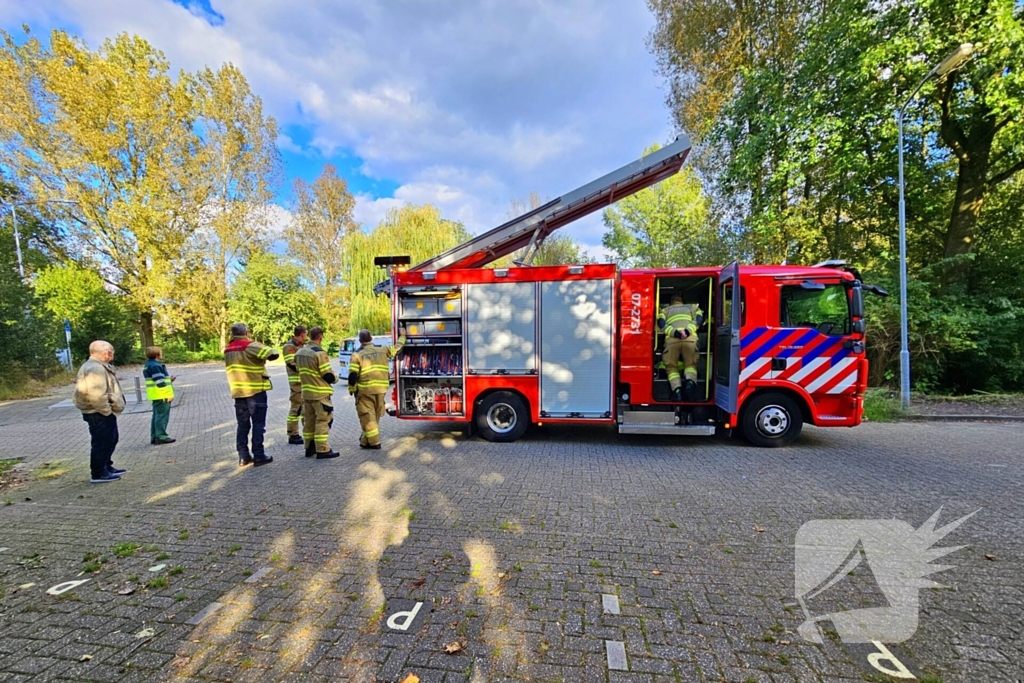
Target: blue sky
{"x":465,"y":104}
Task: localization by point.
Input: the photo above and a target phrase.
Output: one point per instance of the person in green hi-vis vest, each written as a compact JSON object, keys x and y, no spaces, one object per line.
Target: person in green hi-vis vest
{"x":159,"y":390}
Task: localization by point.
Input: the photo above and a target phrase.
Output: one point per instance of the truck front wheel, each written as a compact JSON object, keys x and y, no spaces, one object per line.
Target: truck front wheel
{"x":502,"y":417}
{"x":772,"y":419}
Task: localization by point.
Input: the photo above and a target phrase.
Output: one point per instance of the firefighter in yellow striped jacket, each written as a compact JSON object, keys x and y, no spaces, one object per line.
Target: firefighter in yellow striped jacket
{"x":246,"y":362}
{"x":317,"y":376}
{"x":680,"y":323}
{"x":368,"y":381}
{"x":291,"y":347}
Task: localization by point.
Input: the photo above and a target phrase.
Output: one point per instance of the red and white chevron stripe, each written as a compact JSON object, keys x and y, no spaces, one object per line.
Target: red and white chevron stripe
{"x":817,"y":376}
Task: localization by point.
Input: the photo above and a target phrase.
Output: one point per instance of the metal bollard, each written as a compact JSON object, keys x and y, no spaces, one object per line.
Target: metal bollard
{"x":138,"y":391}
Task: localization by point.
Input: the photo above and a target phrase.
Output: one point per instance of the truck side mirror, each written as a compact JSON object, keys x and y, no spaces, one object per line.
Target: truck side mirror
{"x":858,"y":326}
{"x":857,"y":302}
{"x":876,"y":290}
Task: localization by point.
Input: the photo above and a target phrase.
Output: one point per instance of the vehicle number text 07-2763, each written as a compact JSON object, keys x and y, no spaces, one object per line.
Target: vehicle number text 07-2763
{"x":634,"y":313}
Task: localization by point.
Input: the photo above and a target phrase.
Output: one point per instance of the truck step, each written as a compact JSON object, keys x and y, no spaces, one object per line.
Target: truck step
{"x":675,"y":430}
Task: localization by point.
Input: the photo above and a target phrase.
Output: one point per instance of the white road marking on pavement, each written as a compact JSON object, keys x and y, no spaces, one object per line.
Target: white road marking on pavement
{"x":258,"y":575}
{"x":66,"y":586}
{"x":204,"y":613}
{"x":616,"y":650}
{"x":610,"y":603}
{"x":157,"y":567}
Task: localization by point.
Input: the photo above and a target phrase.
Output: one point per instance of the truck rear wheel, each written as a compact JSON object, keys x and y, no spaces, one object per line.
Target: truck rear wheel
{"x":771,"y":420}
{"x":502,"y":417}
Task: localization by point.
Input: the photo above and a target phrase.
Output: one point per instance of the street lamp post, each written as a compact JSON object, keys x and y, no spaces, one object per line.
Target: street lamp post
{"x":953,"y":60}
{"x":14,"y":222}
{"x":17,"y":246}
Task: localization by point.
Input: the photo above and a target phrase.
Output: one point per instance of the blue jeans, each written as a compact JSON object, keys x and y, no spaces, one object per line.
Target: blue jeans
{"x":251,"y":413}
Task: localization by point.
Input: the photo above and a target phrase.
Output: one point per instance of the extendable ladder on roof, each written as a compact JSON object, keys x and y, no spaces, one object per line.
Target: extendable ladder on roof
{"x":534,"y":226}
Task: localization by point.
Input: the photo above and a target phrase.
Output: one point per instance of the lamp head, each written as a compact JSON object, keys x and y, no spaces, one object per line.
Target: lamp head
{"x":955,"y":59}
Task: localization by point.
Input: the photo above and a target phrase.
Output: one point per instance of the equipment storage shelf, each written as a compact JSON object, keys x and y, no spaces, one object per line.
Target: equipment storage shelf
{"x":431,"y":396}
{"x":430,"y":368}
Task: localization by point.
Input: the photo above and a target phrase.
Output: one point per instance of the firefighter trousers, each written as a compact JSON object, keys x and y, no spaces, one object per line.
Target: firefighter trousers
{"x":676,"y":350}
{"x":294,"y":410}
{"x":369,"y":408}
{"x":317,"y":419}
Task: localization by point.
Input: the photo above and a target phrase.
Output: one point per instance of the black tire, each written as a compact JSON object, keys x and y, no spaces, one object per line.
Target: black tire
{"x":771,"y":420}
{"x":502,"y":417}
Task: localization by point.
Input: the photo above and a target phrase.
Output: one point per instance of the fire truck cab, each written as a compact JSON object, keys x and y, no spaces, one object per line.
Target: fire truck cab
{"x":504,"y":348}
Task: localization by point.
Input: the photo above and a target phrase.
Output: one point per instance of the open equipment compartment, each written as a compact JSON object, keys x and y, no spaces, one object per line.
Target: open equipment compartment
{"x":429,"y":372}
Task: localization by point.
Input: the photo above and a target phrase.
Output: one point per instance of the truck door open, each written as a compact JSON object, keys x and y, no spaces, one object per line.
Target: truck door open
{"x":727,"y":339}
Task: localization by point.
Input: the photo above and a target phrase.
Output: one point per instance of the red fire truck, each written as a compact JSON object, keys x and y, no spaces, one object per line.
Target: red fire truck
{"x":504,"y":348}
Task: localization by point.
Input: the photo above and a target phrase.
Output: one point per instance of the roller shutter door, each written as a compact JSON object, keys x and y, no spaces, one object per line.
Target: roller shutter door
{"x":576,"y":348}
{"x":501,"y":327}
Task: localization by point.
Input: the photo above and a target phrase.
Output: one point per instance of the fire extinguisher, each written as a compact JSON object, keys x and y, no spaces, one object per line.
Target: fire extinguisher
{"x":441,"y":401}
{"x":455,"y":401}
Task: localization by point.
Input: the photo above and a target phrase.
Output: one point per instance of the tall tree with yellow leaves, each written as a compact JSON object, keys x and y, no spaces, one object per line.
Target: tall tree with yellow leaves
{"x":319,"y":237}
{"x":114,"y":133}
{"x":239,"y":168}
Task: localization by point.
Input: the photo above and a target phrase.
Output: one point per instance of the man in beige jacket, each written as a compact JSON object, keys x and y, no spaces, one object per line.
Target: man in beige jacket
{"x":99,"y":397}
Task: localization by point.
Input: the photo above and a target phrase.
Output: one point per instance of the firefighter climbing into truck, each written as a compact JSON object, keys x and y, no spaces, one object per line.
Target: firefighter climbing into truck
{"x":763,"y":349}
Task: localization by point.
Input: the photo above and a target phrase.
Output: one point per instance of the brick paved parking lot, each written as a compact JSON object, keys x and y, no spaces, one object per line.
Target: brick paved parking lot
{"x":520,"y":554}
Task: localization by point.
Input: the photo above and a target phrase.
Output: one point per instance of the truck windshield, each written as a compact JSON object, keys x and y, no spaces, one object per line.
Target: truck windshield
{"x":826,"y":310}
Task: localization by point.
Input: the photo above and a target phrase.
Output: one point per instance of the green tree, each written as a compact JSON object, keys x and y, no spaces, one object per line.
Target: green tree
{"x":417,"y":231}
{"x":319,"y":237}
{"x":20,"y":346}
{"x":80,"y":296}
{"x":669,"y":224}
{"x":25,"y":335}
{"x":270,"y":298}
{"x":814,"y":137}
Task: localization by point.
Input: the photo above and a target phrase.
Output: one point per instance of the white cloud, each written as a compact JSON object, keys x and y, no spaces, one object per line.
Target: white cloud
{"x":466,"y":104}
{"x":277,"y":219}
{"x":286,"y":144}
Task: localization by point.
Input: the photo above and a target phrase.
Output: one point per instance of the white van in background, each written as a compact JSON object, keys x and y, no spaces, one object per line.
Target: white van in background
{"x":351,"y":344}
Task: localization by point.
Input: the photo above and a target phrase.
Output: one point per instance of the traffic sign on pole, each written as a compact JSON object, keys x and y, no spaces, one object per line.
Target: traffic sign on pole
{"x":67,"y":336}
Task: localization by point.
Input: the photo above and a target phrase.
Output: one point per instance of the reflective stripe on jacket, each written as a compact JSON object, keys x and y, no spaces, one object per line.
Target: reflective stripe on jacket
{"x":158,"y":382}
{"x":289,"y":350}
{"x":369,"y":367}
{"x":682,"y":317}
{"x":245,"y":363}
{"x":313,"y":363}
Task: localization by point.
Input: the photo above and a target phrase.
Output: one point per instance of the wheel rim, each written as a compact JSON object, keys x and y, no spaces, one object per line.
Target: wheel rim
{"x":501,"y":418}
{"x":772,"y":421}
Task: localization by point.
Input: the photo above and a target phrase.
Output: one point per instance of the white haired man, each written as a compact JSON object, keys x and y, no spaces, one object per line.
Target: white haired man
{"x":98,"y":395}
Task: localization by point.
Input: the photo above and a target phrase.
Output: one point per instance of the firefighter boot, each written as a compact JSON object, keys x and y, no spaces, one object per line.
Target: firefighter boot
{"x":677,"y":394}
{"x":328,"y":455}
{"x":691,"y":390}
{"x":310,"y":448}
{"x":295,"y":439}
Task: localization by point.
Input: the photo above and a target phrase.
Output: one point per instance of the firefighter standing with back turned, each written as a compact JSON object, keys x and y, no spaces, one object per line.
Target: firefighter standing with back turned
{"x":249,"y":382}
{"x":291,"y":347}
{"x":680,"y":322}
{"x":368,"y":381}
{"x":317,"y":376}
